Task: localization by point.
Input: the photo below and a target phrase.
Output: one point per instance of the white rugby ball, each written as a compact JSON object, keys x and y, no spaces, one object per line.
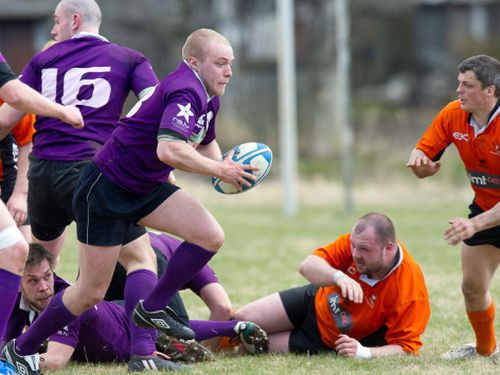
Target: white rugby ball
{"x":253,"y":153}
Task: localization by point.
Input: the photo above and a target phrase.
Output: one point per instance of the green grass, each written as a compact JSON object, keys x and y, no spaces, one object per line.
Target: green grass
{"x":263,"y":249}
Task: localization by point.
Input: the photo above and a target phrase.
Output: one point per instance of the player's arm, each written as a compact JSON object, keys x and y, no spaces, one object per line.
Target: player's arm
{"x":319,"y":272}
{"x":27,"y":100}
{"x":349,"y":347}
{"x":421,"y":165}
{"x":211,"y":150}
{"x":17,"y":203}
{"x":56,"y":357}
{"x":181,"y":155}
{"x":9,"y":118}
{"x":461,"y":228}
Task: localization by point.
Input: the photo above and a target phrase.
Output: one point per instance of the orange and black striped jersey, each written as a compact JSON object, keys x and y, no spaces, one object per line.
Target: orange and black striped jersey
{"x":22,"y":132}
{"x":479,"y":148}
{"x":398,"y":302}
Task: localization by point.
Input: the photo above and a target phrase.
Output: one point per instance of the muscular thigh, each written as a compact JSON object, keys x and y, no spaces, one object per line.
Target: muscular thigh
{"x":184,"y":216}
{"x":479,"y":264}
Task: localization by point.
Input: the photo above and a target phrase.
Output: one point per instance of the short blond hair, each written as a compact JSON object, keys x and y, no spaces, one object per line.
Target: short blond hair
{"x":198,"y":41}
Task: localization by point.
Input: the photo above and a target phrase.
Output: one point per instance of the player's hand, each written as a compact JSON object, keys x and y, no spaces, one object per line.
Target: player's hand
{"x":72,"y":116}
{"x":346,"y":346}
{"x":421,"y":165}
{"x":236,"y":173}
{"x":350,"y":289}
{"x":460,"y":229}
{"x":18,"y":208}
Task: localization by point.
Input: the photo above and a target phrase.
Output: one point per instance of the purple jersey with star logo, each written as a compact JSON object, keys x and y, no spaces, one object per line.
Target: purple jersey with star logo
{"x":178,"y":109}
{"x":97,"y":76}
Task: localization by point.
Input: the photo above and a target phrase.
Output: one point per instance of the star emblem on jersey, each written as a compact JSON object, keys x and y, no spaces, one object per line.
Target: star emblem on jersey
{"x":185,"y":111}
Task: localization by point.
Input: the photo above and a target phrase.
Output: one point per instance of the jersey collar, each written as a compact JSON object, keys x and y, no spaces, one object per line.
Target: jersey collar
{"x":25,"y":306}
{"x":83,"y":34}
{"x":493,"y":115}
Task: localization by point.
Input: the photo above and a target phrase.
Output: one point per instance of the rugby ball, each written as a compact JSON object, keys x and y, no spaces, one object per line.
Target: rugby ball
{"x":253,"y":153}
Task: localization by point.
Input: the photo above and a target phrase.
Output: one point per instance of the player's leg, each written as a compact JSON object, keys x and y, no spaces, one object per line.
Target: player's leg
{"x":215,"y":297}
{"x":50,"y":200}
{"x":139,"y":261}
{"x":479,"y":264}
{"x":13,"y":254}
{"x":268,"y":312}
{"x":182,"y":215}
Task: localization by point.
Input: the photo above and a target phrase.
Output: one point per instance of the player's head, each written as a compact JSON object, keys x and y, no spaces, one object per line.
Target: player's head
{"x":73,"y":16}
{"x":373,"y":245}
{"x":37,"y":283}
{"x":209,"y":54}
{"x":478,"y":82}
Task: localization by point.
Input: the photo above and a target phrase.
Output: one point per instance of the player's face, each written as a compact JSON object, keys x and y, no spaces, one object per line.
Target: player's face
{"x":37,"y":285}
{"x":215,"y":68}
{"x":368,"y":254}
{"x":470,"y":92}
{"x":63,"y":25}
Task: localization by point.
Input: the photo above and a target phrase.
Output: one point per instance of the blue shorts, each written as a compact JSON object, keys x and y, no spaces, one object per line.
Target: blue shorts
{"x":489,"y":236}
{"x":105,"y":212}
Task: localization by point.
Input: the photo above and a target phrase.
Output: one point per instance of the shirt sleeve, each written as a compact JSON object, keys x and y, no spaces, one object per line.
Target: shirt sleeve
{"x":406,"y":323}
{"x":437,"y":136}
{"x":337,"y":253}
{"x":180,"y":114}
{"x":143,"y":76}
{"x":68,"y":335}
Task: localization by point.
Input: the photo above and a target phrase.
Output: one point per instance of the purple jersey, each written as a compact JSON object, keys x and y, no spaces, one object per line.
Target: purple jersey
{"x":100,"y":334}
{"x":6,"y":73}
{"x":94,"y":74}
{"x":179,"y":107}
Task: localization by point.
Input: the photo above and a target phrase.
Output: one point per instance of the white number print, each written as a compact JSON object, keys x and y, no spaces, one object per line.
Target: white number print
{"x":73,"y":81}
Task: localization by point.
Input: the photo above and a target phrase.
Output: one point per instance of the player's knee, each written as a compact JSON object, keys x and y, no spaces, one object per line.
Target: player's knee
{"x":92,"y":296}
{"x":16,"y":255}
{"x":211,"y":240}
{"x":473,"y":291}
{"x":221,"y":311}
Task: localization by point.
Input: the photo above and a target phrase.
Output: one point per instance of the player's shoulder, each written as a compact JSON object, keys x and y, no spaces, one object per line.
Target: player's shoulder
{"x":183,"y":83}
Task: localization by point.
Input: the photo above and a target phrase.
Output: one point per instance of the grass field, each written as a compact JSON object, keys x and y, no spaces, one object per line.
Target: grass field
{"x":263,"y":249}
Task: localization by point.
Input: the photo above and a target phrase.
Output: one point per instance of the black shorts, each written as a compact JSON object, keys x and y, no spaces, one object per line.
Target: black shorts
{"x":485,"y":237}
{"x":105,"y":212}
{"x":299,"y":306}
{"x":50,"y":195}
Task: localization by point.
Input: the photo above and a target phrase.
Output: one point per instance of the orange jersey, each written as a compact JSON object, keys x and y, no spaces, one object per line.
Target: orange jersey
{"x":22,"y":132}
{"x":478,"y":147}
{"x":399,"y":301}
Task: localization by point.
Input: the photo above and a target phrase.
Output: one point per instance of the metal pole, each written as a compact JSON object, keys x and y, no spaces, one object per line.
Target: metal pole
{"x":287,"y":104}
{"x":343,"y":98}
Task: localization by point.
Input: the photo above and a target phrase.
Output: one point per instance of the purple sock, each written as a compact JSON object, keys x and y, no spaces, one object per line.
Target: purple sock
{"x":137,"y":286}
{"x":54,"y":317}
{"x":9,"y":288}
{"x":186,"y":261}
{"x":207,"y":329}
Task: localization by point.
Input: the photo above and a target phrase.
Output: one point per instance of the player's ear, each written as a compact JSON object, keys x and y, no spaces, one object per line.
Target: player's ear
{"x":77,"y":21}
{"x":193,"y":62}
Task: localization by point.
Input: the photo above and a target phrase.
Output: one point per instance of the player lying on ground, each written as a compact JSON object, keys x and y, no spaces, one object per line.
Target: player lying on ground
{"x":367,"y":298}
